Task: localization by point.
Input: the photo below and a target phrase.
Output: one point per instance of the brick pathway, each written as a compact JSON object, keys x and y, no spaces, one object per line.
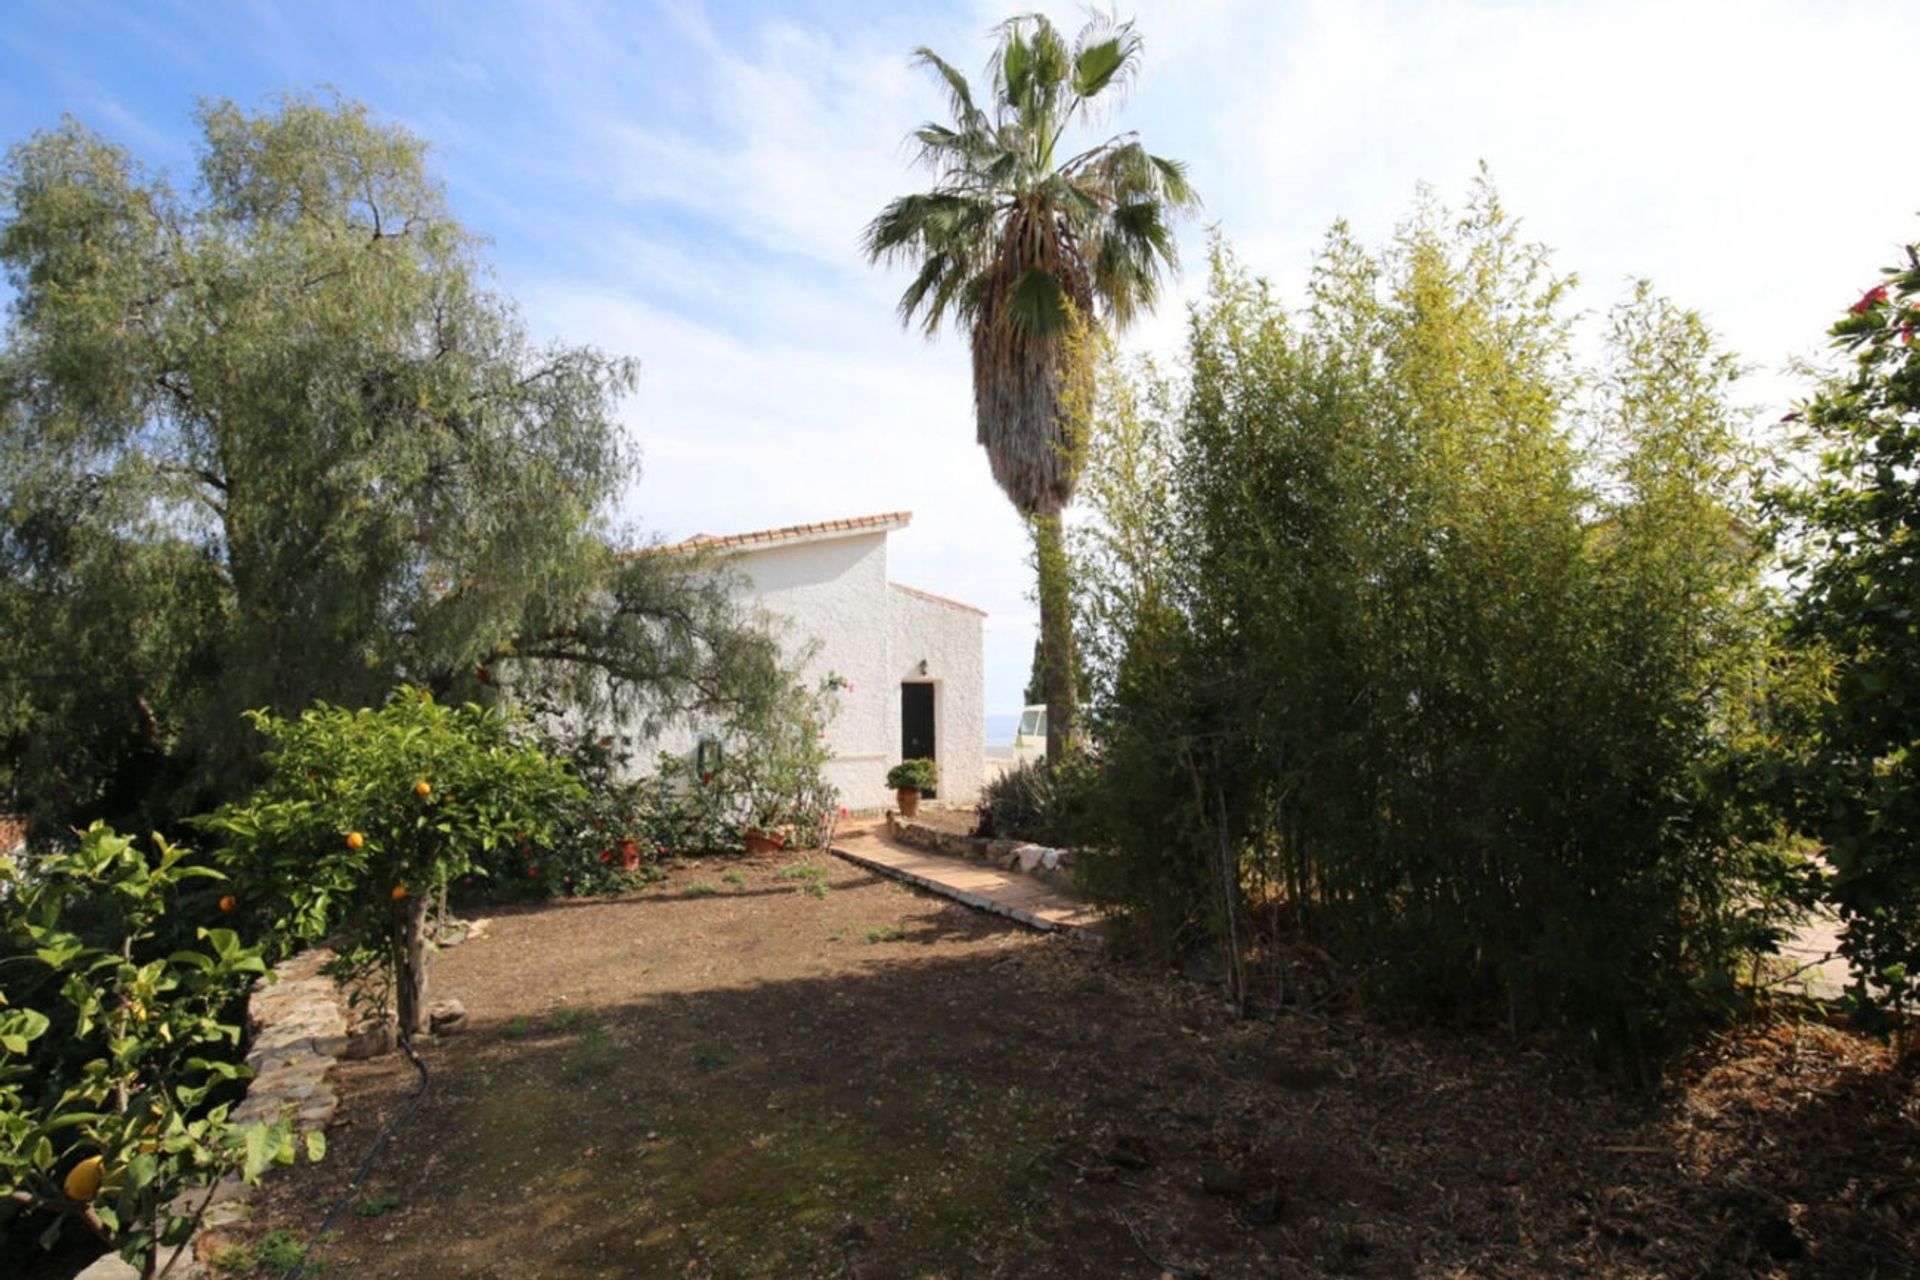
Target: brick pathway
{"x":1006,"y":893}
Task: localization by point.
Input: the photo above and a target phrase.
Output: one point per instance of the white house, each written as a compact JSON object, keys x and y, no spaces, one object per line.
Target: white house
{"x":914,"y":659}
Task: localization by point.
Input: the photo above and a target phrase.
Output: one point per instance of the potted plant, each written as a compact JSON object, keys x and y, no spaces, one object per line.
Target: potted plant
{"x":762,"y":841}
{"x":908,"y":779}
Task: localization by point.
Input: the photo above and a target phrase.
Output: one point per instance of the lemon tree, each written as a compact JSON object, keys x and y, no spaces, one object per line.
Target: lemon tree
{"x":368,"y":813}
{"x":115,"y":1071}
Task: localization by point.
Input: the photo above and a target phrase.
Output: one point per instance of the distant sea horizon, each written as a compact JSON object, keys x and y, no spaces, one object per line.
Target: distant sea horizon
{"x":1000,"y":727}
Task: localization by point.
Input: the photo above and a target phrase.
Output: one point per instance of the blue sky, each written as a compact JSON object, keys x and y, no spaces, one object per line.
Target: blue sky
{"x":686,"y":183}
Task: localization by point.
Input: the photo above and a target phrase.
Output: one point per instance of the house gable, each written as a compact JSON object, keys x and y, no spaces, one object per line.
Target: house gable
{"x":827,"y":585}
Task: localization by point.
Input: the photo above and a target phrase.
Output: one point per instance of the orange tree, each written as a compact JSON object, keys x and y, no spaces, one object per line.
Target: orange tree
{"x":115,"y":1078}
{"x":366,"y":816}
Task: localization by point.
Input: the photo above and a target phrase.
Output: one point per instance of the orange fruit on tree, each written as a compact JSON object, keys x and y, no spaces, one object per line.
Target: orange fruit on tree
{"x":228,"y":902}
{"x":399,"y":892}
{"x":421,"y":789}
{"x":355,"y":840}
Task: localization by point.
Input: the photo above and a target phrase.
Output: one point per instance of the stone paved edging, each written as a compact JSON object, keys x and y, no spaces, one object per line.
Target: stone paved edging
{"x":1005,"y":893}
{"x":1055,"y":866}
{"x":299,"y":1024}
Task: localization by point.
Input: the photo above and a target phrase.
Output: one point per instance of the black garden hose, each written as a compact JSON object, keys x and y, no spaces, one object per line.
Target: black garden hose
{"x":373,"y":1153}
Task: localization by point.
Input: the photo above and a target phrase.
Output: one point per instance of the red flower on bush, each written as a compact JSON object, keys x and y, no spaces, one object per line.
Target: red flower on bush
{"x":533,"y":873}
{"x":606,"y":855}
{"x":1871,"y":298}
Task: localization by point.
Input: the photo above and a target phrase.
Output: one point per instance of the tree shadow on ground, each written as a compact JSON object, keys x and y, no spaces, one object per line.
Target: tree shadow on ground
{"x":758,"y":1092}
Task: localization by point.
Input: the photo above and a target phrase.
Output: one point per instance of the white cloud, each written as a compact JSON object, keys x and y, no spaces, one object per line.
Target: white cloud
{"x":1741,"y":155}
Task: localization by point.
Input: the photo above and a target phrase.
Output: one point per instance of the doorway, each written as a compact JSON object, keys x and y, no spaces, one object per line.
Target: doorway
{"x":916,"y":723}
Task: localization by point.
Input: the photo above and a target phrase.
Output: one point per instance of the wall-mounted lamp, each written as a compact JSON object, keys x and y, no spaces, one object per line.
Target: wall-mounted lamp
{"x":923,"y":666}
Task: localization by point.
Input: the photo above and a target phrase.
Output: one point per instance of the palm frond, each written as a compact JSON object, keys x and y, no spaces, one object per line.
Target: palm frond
{"x":1023,"y":249}
{"x":1037,"y":305}
{"x":939,"y":277}
{"x":1129,"y":253}
{"x":1175,"y":189}
{"x":1105,"y":54}
{"x":959,"y":92}
{"x":926,"y":221}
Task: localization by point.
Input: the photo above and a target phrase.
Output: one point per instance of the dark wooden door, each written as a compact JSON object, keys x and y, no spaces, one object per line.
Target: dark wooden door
{"x":916,"y":724}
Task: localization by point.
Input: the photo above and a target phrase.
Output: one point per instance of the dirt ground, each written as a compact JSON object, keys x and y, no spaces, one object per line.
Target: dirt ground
{"x":755,"y":1070}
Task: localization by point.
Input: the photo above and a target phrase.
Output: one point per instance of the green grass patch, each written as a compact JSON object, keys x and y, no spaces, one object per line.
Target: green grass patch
{"x":277,"y":1253}
{"x":812,"y":879}
{"x":377,"y":1206}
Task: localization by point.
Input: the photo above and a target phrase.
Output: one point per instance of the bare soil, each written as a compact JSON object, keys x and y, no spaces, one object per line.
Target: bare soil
{"x":714,"y":1078}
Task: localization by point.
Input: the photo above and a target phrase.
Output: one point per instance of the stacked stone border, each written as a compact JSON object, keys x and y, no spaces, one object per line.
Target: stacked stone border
{"x":1055,"y":866}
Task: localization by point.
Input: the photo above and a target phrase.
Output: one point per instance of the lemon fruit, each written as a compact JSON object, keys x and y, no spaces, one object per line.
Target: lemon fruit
{"x":83,"y":1180}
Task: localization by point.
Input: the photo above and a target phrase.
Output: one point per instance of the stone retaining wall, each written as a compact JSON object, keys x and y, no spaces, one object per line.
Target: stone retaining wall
{"x":1055,"y":866}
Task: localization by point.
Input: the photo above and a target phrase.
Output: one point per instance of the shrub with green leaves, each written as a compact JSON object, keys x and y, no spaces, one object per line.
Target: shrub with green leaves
{"x":600,"y":841}
{"x":1851,"y":529}
{"x":1047,"y":804}
{"x":1412,"y":635}
{"x":115,"y":1082}
{"x":368,"y":814}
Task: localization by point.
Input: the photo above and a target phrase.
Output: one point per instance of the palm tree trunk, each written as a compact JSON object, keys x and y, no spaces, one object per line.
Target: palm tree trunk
{"x":1057,"y":661}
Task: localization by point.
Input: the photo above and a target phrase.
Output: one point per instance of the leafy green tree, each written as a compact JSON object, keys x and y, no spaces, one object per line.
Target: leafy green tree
{"x":114,"y":1049}
{"x":1025,"y":244}
{"x":1852,"y":529}
{"x":369,"y":813}
{"x":272,"y":440}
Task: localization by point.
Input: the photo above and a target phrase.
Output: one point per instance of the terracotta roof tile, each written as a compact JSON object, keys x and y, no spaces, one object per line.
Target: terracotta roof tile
{"x":790,"y":533}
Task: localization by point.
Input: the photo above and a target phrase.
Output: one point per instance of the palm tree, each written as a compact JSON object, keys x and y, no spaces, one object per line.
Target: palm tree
{"x":1026,"y":249}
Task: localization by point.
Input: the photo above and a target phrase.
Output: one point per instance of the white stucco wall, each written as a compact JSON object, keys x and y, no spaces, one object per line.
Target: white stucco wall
{"x":947,"y":637}
{"x":834,"y":591}
{"x":827,"y":592}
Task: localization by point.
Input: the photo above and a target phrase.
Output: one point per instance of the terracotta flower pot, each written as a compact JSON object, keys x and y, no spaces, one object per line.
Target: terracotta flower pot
{"x":759,"y":842}
{"x":908,"y":798}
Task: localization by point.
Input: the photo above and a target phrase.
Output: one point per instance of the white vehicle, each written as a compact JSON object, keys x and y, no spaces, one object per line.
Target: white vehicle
{"x":1030,"y":739}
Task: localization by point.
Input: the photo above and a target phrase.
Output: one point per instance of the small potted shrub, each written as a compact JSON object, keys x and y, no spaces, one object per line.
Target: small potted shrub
{"x":908,"y":779}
